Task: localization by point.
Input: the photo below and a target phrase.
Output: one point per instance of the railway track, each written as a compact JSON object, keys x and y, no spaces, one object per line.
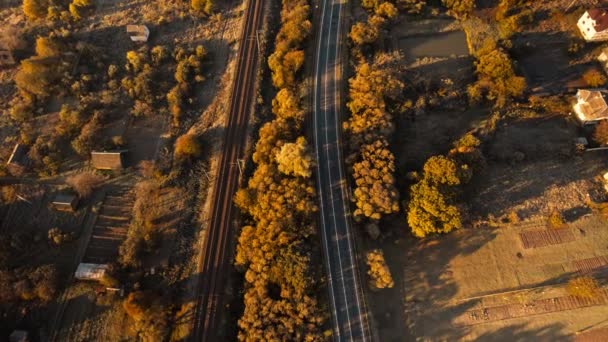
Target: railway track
{"x":213,"y":264}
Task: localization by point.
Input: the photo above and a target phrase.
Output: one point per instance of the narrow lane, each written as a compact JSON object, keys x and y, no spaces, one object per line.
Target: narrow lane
{"x":345,"y":292}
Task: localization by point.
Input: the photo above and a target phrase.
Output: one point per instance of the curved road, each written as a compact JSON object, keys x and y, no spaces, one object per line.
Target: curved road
{"x":345,"y":292}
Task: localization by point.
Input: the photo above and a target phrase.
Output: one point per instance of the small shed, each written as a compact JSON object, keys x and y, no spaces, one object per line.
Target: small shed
{"x":65,"y":202}
{"x":110,"y":160}
{"x":138,"y":33}
{"x":6,"y":58}
{"x":19,"y":336}
{"x":88,"y":271}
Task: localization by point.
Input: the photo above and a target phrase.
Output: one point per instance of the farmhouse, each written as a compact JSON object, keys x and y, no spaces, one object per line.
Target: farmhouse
{"x":110,"y":160}
{"x":65,"y":202}
{"x":138,"y":33}
{"x":594,"y":25}
{"x":591,"y":106}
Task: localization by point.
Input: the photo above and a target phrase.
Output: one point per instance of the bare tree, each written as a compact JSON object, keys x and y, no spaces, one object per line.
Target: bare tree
{"x":84,"y":183}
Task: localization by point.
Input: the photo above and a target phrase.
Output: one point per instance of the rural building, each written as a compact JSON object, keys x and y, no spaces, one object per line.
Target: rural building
{"x":591,"y":107}
{"x":138,"y":33}
{"x":87,"y":271}
{"x":111,"y":160}
{"x":65,"y":202}
{"x":594,"y":25}
{"x":19,"y":336}
{"x":6,"y":58}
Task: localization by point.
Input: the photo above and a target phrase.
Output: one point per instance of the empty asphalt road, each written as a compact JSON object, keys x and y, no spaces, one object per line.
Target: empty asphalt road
{"x":345,"y":292}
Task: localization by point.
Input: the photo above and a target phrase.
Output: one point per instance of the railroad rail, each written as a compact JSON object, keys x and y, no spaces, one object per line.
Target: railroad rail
{"x":213,"y":264}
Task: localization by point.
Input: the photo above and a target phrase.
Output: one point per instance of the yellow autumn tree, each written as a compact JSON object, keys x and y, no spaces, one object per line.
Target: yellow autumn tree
{"x":375,"y":193}
{"x":378,"y":270}
{"x":35,"y":9}
{"x":295,"y":159}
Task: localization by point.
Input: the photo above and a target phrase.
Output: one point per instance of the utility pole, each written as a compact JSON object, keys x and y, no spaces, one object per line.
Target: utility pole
{"x":241,"y":167}
{"x":206,"y":174}
{"x":257,"y":40}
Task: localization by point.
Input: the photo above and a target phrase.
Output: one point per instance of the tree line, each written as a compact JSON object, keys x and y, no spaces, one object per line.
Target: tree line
{"x":372,"y":93}
{"x":277,"y":249}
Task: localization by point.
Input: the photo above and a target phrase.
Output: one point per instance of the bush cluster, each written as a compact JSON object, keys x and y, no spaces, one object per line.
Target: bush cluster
{"x":583,"y":287}
{"x":85,"y":183}
{"x":433,"y":205}
{"x":149,"y":314}
{"x":56,"y":10}
{"x":369,"y":129}
{"x":365,"y":33}
{"x":28,"y":284}
{"x":143,"y":235}
{"x":459,"y":8}
{"x":275,"y":251}
{"x":378,"y":270}
{"x":139,"y":81}
{"x":497,"y":80}
{"x":188,"y":71}
{"x":511,"y":16}
{"x":202,"y":6}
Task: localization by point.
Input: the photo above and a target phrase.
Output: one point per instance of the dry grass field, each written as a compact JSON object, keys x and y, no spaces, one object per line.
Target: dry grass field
{"x":504,"y":276}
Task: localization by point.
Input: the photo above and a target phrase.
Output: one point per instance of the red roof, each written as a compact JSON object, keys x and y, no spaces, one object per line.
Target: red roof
{"x":600,"y":16}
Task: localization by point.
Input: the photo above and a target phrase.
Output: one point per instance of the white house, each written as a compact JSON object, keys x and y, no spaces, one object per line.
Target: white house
{"x":594,"y":25}
{"x":591,"y":106}
{"x":138,"y":33}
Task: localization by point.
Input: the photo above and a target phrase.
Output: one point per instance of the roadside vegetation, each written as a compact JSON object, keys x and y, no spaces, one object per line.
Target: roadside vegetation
{"x":277,"y":250}
{"x":378,"y":270}
{"x":79,"y":85}
{"x":373,"y":97}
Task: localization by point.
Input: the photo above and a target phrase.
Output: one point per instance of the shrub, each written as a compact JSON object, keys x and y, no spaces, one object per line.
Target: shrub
{"x":460,"y":8}
{"x":378,"y":270}
{"x":496,"y":77}
{"x":84,"y":183}
{"x":45,"y":279}
{"x":202,"y":6}
{"x":363,"y":33}
{"x":188,"y":146}
{"x":35,"y":9}
{"x":38,"y":76}
{"x":23,"y":289}
{"x":583,"y":287}
{"x":594,"y":78}
{"x":555,"y":220}
{"x":159,"y":54}
{"x":79,"y":7}
{"x":57,"y":237}
{"x":411,"y":6}
{"x":137,"y":303}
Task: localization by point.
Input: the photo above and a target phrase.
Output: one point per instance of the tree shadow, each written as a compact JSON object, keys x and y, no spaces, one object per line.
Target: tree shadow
{"x":520,"y":332}
{"x":543,"y":58}
{"x":508,"y":182}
